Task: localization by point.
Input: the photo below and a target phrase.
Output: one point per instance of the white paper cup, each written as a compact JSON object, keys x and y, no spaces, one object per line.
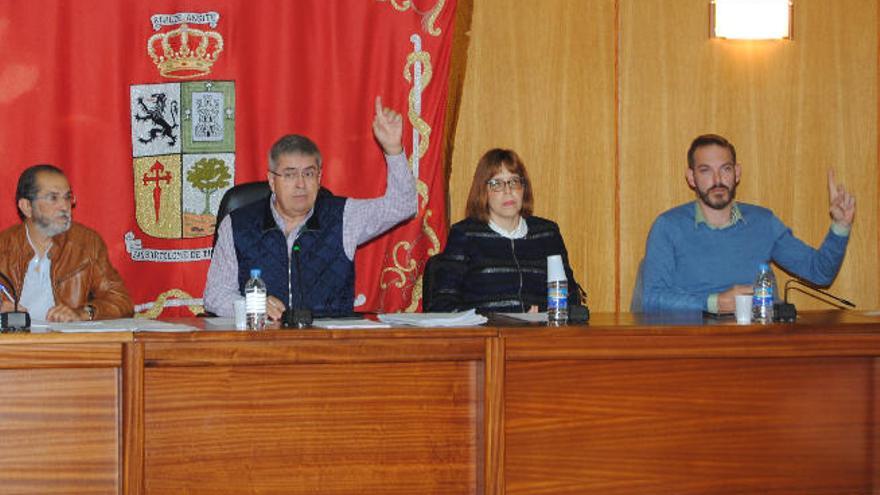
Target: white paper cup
{"x":240,"y":313}
{"x":555,"y":271}
{"x":743,"y":308}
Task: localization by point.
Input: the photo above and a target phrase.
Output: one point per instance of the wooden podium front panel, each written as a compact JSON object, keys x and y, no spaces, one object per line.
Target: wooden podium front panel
{"x":348,"y":427}
{"x":59,"y":430}
{"x":689,"y":426}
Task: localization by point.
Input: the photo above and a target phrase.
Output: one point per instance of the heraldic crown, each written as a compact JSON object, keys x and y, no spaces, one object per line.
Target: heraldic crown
{"x":185,"y":52}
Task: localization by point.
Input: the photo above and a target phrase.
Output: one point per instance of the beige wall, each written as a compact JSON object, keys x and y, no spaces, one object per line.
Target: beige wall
{"x":602,"y":97}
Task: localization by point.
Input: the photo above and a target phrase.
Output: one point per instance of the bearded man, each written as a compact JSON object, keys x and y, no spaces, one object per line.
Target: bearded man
{"x":701,"y":254}
{"x":59,"y":268}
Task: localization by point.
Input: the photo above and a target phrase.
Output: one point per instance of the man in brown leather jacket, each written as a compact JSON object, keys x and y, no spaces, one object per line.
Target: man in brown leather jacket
{"x":59,"y":268}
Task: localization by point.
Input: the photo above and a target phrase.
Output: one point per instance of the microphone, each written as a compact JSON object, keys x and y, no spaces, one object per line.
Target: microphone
{"x":787,"y":312}
{"x":579,"y":313}
{"x":301,"y":317}
{"x":13,"y":320}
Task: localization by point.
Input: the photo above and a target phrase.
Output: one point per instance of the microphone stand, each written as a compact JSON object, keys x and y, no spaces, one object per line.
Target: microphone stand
{"x":301,"y":317}
{"x":787,"y":312}
{"x":13,"y":320}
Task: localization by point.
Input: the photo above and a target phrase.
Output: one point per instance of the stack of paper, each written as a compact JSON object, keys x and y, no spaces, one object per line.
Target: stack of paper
{"x":348,"y":323}
{"x":119,"y":325}
{"x":463,"y":319}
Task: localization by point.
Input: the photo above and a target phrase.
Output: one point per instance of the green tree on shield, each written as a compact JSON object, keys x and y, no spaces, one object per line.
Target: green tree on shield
{"x":209,"y":175}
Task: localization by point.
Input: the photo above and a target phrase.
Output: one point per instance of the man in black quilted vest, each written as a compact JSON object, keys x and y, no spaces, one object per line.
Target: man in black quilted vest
{"x":324,"y":230}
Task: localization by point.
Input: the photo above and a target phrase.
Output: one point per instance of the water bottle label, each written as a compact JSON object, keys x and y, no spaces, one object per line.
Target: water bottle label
{"x":255,"y":303}
{"x":762,"y":300}
{"x":763,"y":296}
{"x":557,"y":298}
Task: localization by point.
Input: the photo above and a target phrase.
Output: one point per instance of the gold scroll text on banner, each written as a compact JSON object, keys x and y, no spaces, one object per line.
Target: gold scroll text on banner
{"x":405,"y":247}
{"x":429,"y":17}
{"x":159,"y":304}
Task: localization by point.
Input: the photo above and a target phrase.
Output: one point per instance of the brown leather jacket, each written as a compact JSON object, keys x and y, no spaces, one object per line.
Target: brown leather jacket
{"x":81,"y":271}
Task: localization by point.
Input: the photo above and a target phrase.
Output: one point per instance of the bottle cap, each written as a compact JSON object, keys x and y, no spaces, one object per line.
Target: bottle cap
{"x":763,"y":266}
{"x":555,"y":270}
{"x":255,"y":272}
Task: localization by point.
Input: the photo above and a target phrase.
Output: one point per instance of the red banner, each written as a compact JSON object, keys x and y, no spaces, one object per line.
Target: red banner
{"x":154,"y":109}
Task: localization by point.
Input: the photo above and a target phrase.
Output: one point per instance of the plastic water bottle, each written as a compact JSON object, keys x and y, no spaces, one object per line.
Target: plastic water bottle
{"x":557,"y":302}
{"x":557,"y":291}
{"x":255,"y":301}
{"x":762,"y":299}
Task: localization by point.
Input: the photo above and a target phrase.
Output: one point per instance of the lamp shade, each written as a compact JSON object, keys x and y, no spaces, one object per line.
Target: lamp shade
{"x":751,"y":19}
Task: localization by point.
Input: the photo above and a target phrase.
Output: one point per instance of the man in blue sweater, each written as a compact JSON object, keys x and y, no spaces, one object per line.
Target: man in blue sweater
{"x":701,"y":254}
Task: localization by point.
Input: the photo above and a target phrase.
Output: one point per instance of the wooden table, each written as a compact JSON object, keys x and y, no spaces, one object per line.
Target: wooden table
{"x":627,"y":404}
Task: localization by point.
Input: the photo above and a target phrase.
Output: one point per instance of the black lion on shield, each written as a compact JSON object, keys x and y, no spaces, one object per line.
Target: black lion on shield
{"x":156,"y":114}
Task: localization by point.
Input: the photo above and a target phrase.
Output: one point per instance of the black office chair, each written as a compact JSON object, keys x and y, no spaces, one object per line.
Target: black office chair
{"x":244,"y":194}
{"x":428,"y":276}
{"x":240,"y":195}
{"x":434,"y":265}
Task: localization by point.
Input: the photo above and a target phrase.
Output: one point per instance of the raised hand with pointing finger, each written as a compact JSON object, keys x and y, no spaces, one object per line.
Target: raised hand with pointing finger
{"x":388,"y":128}
{"x":842,"y":204}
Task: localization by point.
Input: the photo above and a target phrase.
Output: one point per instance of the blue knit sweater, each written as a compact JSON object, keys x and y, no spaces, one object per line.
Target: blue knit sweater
{"x":686,"y":261}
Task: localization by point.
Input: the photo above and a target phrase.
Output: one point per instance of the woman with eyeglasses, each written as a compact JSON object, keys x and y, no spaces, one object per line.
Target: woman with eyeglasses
{"x":496,"y":259}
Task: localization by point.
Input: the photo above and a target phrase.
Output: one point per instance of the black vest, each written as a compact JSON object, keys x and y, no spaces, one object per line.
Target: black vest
{"x":327,"y":276}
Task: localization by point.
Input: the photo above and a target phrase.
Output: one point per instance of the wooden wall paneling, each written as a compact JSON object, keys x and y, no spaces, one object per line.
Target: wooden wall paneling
{"x":792,"y":108}
{"x":836,"y":121}
{"x":540,"y":80}
{"x":720,"y":426}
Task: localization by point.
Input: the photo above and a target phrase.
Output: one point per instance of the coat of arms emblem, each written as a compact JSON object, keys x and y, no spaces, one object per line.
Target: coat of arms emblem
{"x":182,"y":146}
{"x":182,"y":133}
{"x":183,"y":142}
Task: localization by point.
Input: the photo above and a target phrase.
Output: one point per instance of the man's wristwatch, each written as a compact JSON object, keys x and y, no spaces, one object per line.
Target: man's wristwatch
{"x":90,"y":311}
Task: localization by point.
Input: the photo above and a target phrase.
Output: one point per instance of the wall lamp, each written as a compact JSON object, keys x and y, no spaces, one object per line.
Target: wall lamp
{"x":750,"y":19}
